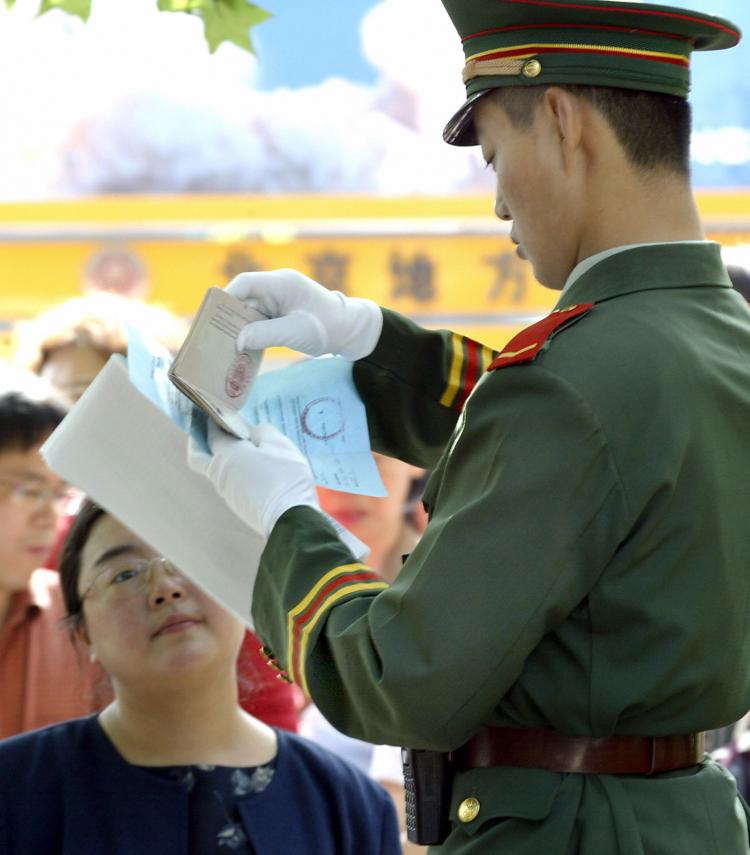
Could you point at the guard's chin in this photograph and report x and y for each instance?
(548, 279)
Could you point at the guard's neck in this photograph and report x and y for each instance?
(632, 208)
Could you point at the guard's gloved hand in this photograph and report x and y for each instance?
(258, 479)
(306, 316)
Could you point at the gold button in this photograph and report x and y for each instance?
(468, 810)
(533, 68)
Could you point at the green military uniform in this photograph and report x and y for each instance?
(585, 567)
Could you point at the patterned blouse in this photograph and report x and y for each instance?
(215, 827)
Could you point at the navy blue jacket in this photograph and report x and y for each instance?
(65, 789)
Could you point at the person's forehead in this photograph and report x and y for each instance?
(485, 111)
(27, 464)
(491, 122)
(105, 534)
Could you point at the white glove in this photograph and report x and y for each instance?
(258, 479)
(306, 316)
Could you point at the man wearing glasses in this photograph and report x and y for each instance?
(43, 677)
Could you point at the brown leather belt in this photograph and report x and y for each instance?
(556, 752)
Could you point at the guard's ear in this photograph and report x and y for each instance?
(565, 110)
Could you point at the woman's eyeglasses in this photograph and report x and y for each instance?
(125, 578)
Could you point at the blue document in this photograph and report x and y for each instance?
(314, 403)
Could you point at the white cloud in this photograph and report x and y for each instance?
(414, 45)
(721, 147)
(133, 101)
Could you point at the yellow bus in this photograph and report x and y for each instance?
(447, 262)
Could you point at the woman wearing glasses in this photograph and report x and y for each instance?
(173, 764)
(68, 345)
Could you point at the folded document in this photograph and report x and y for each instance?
(122, 449)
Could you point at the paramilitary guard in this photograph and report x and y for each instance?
(577, 612)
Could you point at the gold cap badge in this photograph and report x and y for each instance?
(533, 68)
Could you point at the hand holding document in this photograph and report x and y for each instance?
(209, 370)
(125, 444)
(314, 403)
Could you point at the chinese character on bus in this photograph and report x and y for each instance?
(238, 261)
(414, 277)
(510, 277)
(331, 269)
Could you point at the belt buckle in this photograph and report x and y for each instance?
(652, 747)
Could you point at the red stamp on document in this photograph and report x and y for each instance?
(238, 376)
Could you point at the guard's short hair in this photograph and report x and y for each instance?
(29, 410)
(653, 128)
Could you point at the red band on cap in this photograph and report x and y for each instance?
(638, 30)
(634, 11)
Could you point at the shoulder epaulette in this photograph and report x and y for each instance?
(525, 346)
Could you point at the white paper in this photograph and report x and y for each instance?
(131, 458)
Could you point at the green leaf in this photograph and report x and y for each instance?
(82, 8)
(230, 21)
(182, 5)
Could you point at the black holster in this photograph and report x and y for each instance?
(428, 776)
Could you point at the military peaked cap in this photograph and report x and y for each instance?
(620, 43)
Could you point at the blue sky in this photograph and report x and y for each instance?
(305, 43)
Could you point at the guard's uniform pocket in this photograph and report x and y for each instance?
(485, 797)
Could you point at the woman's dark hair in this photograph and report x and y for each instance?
(70, 559)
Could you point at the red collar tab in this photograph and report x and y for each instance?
(526, 345)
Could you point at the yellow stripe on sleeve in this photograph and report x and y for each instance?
(305, 602)
(454, 377)
(487, 355)
(372, 585)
